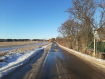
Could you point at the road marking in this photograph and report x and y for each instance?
(45, 59)
(57, 71)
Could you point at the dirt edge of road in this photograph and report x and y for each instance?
(36, 66)
(95, 64)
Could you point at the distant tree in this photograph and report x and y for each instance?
(9, 40)
(2, 40)
(52, 39)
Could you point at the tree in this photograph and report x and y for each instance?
(52, 39)
(84, 11)
(68, 30)
(83, 23)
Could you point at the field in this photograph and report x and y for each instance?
(7, 44)
(21, 50)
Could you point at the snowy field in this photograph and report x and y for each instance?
(96, 62)
(17, 45)
(11, 61)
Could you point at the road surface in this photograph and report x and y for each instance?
(58, 64)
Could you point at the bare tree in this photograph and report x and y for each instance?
(101, 6)
(85, 11)
(68, 30)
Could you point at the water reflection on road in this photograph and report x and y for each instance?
(63, 65)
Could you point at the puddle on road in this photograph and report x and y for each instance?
(54, 50)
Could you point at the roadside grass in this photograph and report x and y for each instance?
(21, 50)
(91, 53)
(88, 52)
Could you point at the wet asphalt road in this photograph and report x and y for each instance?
(59, 64)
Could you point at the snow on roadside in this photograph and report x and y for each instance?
(100, 63)
(14, 60)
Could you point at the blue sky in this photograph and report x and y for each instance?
(20, 19)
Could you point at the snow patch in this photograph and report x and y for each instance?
(14, 60)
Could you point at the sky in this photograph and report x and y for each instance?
(32, 19)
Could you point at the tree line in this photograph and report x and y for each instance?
(11, 40)
(86, 16)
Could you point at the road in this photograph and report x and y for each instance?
(58, 64)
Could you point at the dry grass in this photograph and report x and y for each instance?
(22, 50)
(2, 54)
(88, 52)
(6, 44)
(91, 53)
(98, 55)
